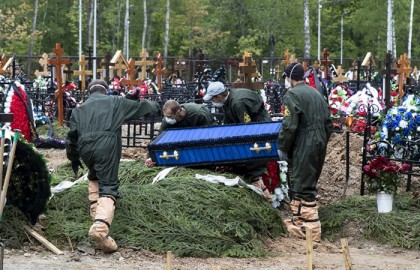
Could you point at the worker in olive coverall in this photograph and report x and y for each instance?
(95, 137)
(185, 115)
(242, 106)
(302, 140)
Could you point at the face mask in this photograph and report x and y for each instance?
(170, 121)
(287, 84)
(217, 104)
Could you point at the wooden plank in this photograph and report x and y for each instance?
(169, 260)
(309, 249)
(43, 241)
(346, 253)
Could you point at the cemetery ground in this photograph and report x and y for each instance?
(285, 252)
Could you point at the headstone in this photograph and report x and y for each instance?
(325, 62)
(403, 71)
(143, 63)
(57, 62)
(83, 72)
(159, 70)
(43, 62)
(130, 81)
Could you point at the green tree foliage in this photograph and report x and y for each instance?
(221, 28)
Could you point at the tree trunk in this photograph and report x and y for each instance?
(389, 27)
(307, 48)
(394, 42)
(143, 39)
(118, 24)
(90, 23)
(166, 41)
(126, 27)
(410, 29)
(31, 47)
(149, 29)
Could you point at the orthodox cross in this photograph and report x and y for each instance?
(106, 64)
(388, 71)
(326, 62)
(43, 62)
(340, 78)
(180, 66)
(158, 70)
(90, 58)
(144, 63)
(83, 72)
(248, 70)
(57, 62)
(403, 71)
(120, 63)
(286, 60)
(130, 72)
(67, 71)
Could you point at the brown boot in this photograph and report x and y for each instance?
(294, 224)
(93, 188)
(311, 219)
(99, 230)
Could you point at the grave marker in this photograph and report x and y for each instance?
(158, 71)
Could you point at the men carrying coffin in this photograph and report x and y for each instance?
(302, 140)
(95, 137)
(185, 115)
(242, 106)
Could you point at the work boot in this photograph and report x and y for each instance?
(93, 188)
(258, 182)
(310, 219)
(294, 225)
(99, 230)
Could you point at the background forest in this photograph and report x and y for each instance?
(220, 28)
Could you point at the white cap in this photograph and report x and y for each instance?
(214, 89)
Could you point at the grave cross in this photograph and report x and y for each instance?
(43, 62)
(278, 72)
(144, 63)
(83, 72)
(388, 71)
(130, 72)
(180, 66)
(90, 58)
(286, 60)
(248, 70)
(158, 71)
(106, 64)
(403, 71)
(325, 62)
(3, 62)
(340, 78)
(67, 71)
(120, 63)
(5, 67)
(57, 62)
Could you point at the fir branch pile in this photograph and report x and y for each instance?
(187, 216)
(399, 228)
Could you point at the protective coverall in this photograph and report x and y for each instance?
(197, 115)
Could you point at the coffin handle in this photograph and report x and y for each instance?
(257, 148)
(166, 156)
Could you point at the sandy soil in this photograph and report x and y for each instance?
(288, 253)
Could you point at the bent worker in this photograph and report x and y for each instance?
(185, 115)
(303, 139)
(242, 106)
(95, 137)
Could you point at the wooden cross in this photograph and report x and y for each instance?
(325, 62)
(4, 64)
(388, 71)
(67, 71)
(83, 72)
(248, 70)
(57, 62)
(43, 62)
(90, 58)
(403, 71)
(106, 64)
(144, 63)
(340, 78)
(286, 60)
(120, 63)
(130, 72)
(158, 70)
(180, 66)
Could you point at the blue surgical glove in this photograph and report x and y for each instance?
(282, 155)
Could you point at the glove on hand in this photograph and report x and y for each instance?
(75, 166)
(282, 155)
(149, 163)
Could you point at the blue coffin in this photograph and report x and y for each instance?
(216, 145)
